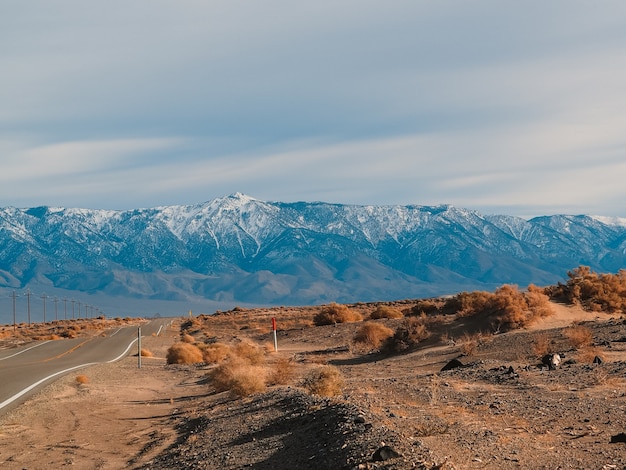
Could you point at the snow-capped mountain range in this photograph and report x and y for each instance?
(241, 250)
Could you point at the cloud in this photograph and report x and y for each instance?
(483, 104)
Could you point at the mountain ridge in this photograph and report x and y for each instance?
(238, 249)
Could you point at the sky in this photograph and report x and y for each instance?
(502, 107)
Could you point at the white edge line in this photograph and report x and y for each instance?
(30, 387)
(24, 350)
(124, 353)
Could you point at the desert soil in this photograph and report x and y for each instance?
(500, 410)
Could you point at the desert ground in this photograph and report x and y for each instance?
(501, 408)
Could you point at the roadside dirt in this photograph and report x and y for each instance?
(499, 410)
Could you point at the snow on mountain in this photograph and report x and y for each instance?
(240, 249)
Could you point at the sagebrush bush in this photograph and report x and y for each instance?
(385, 311)
(592, 291)
(336, 313)
(146, 352)
(252, 353)
(186, 338)
(215, 352)
(282, 371)
(325, 381)
(372, 335)
(82, 379)
(507, 308)
(183, 353)
(238, 376)
(579, 336)
(412, 331)
(542, 345)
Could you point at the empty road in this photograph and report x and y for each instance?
(26, 369)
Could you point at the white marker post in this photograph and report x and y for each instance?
(274, 329)
(139, 348)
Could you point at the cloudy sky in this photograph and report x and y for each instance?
(502, 107)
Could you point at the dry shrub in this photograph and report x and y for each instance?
(469, 343)
(325, 381)
(506, 308)
(249, 352)
(593, 291)
(82, 379)
(238, 376)
(372, 335)
(215, 352)
(588, 353)
(541, 345)
(336, 313)
(385, 311)
(184, 353)
(579, 336)
(185, 338)
(412, 332)
(146, 353)
(283, 371)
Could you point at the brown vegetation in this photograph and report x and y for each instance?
(146, 352)
(325, 381)
(82, 379)
(592, 291)
(372, 335)
(410, 334)
(386, 311)
(184, 353)
(579, 336)
(336, 313)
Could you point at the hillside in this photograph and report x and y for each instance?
(501, 409)
(238, 250)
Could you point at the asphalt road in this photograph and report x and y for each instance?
(25, 370)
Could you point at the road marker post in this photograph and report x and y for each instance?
(274, 330)
(139, 347)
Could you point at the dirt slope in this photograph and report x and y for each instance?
(500, 410)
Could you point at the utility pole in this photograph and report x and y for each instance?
(65, 306)
(78, 309)
(28, 294)
(73, 301)
(44, 297)
(14, 295)
(56, 310)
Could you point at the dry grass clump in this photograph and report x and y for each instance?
(146, 353)
(413, 331)
(589, 353)
(325, 381)
(186, 338)
(541, 345)
(215, 352)
(184, 353)
(238, 376)
(82, 379)
(386, 311)
(252, 353)
(241, 368)
(282, 371)
(579, 336)
(336, 313)
(372, 335)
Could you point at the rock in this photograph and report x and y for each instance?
(385, 453)
(597, 360)
(453, 364)
(553, 361)
(621, 437)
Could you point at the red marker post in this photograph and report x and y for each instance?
(274, 330)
